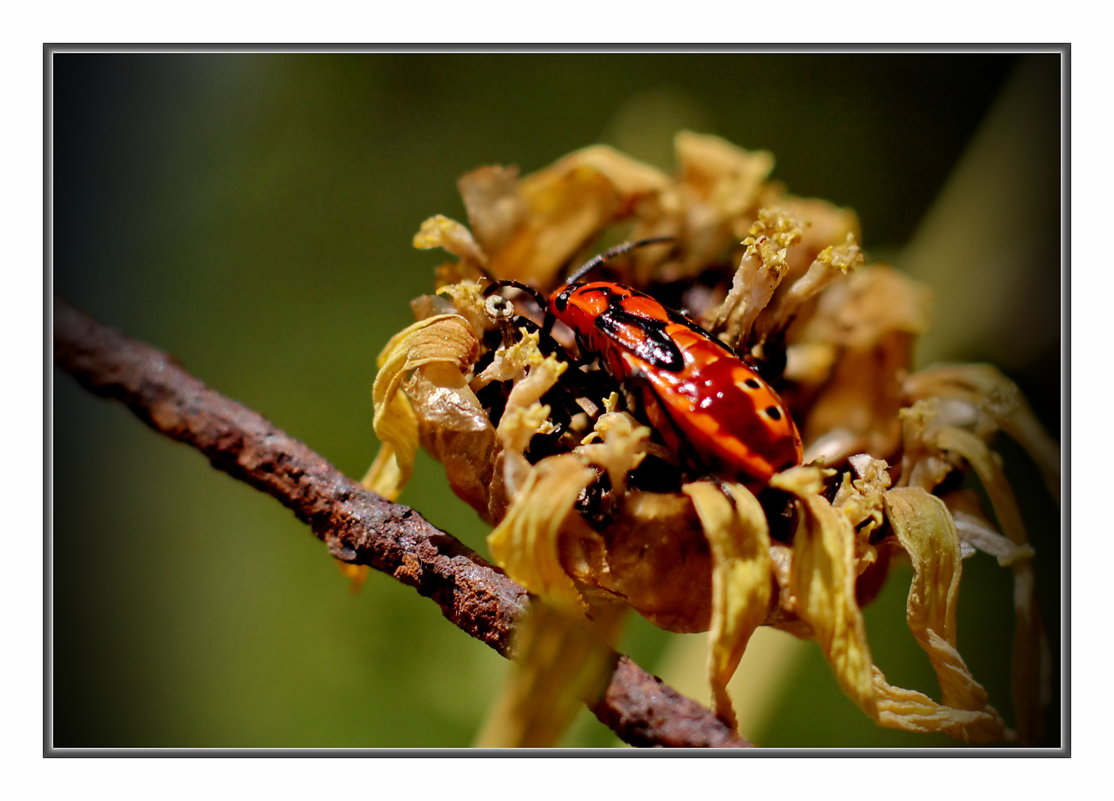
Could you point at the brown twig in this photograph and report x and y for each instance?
(358, 526)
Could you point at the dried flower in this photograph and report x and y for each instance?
(592, 514)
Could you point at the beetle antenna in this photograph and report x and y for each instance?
(618, 250)
(498, 284)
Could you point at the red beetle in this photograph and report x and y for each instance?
(709, 406)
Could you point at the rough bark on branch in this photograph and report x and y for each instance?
(358, 526)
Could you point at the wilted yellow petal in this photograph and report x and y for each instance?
(494, 203)
(925, 530)
(465, 298)
(396, 427)
(873, 316)
(872, 303)
(562, 660)
(988, 467)
(652, 554)
(720, 186)
(922, 463)
(568, 203)
(444, 340)
(822, 578)
(976, 533)
(1030, 646)
(631, 178)
(985, 386)
(910, 710)
(735, 526)
(516, 428)
(525, 543)
(441, 232)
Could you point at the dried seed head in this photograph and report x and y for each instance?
(591, 513)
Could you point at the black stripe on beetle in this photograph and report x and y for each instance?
(655, 347)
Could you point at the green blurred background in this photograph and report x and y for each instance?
(252, 214)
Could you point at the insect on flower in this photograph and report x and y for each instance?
(712, 409)
(688, 503)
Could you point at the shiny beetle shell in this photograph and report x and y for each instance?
(708, 404)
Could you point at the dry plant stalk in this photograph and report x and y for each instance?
(361, 529)
(593, 519)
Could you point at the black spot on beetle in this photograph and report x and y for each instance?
(774, 412)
